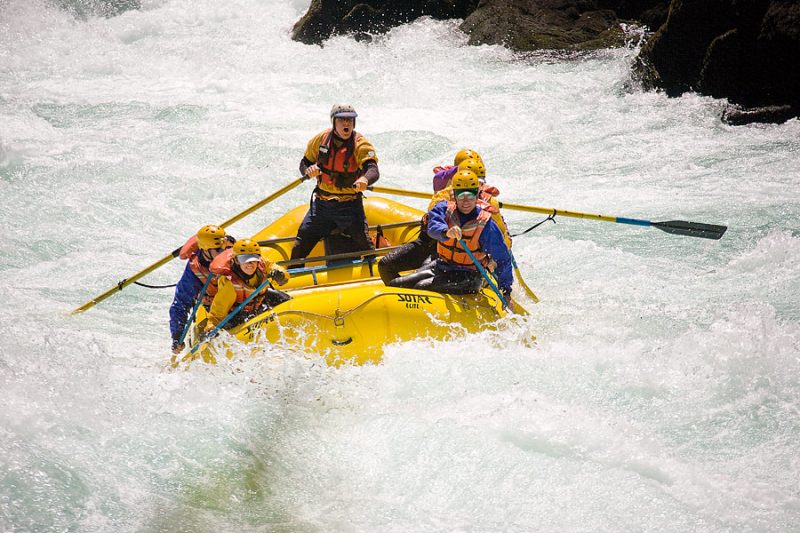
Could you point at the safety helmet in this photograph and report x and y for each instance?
(210, 237)
(466, 179)
(465, 154)
(475, 165)
(246, 250)
(343, 111)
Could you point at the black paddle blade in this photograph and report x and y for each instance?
(692, 229)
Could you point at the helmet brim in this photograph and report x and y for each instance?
(247, 258)
(346, 114)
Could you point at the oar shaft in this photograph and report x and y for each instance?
(158, 264)
(197, 305)
(263, 202)
(676, 227)
(124, 283)
(401, 192)
(280, 240)
(483, 272)
(563, 213)
(516, 207)
(334, 257)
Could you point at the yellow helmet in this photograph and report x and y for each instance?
(246, 250)
(466, 179)
(475, 165)
(210, 237)
(465, 154)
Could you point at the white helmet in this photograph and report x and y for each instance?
(343, 111)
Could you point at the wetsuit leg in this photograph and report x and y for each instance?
(452, 281)
(317, 224)
(413, 280)
(410, 256)
(351, 220)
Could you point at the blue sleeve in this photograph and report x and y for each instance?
(185, 294)
(492, 242)
(437, 221)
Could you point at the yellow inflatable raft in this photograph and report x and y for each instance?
(344, 311)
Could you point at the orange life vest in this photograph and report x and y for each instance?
(339, 166)
(189, 247)
(451, 251)
(222, 265)
(191, 251)
(489, 190)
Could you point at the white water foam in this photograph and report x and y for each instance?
(661, 392)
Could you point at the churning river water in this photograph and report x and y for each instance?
(661, 394)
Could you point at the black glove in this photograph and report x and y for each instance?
(506, 292)
(177, 346)
(279, 275)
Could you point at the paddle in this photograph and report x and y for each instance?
(196, 306)
(676, 227)
(484, 274)
(521, 281)
(161, 262)
(334, 257)
(281, 240)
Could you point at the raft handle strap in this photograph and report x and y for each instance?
(150, 286)
(549, 217)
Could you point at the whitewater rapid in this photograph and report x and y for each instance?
(662, 390)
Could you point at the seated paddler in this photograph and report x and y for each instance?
(417, 253)
(461, 218)
(241, 271)
(198, 251)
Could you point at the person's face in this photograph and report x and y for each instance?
(465, 201)
(343, 127)
(249, 268)
(211, 253)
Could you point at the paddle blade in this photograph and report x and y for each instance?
(692, 229)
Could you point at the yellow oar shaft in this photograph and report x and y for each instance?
(556, 212)
(124, 283)
(675, 227)
(504, 205)
(402, 192)
(263, 202)
(163, 261)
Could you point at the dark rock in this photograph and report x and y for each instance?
(747, 51)
(526, 25)
(652, 13)
(325, 18)
(737, 116)
(519, 24)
